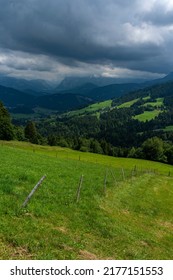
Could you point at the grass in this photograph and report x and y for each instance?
(93, 108)
(158, 103)
(128, 104)
(68, 154)
(131, 220)
(168, 128)
(146, 97)
(147, 115)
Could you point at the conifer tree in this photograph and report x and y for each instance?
(6, 128)
(31, 132)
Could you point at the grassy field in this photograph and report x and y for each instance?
(158, 103)
(168, 128)
(93, 108)
(127, 104)
(129, 217)
(146, 97)
(147, 115)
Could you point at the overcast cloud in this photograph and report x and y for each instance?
(51, 39)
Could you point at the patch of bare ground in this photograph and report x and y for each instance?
(125, 212)
(10, 252)
(144, 243)
(29, 215)
(67, 248)
(167, 225)
(85, 255)
(21, 253)
(61, 229)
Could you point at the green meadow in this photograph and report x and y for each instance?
(147, 115)
(124, 211)
(158, 103)
(168, 128)
(128, 104)
(93, 108)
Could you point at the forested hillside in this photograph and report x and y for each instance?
(127, 126)
(123, 129)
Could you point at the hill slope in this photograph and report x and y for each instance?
(12, 97)
(60, 102)
(130, 218)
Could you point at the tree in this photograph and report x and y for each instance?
(52, 140)
(19, 133)
(95, 147)
(168, 152)
(131, 153)
(6, 128)
(153, 149)
(31, 132)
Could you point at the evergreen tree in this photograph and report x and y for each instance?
(6, 128)
(153, 149)
(31, 132)
(95, 147)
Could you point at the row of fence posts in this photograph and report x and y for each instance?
(134, 172)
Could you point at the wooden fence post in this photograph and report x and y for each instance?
(105, 181)
(79, 188)
(115, 181)
(33, 191)
(132, 173)
(123, 173)
(135, 170)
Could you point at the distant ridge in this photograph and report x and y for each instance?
(74, 98)
(30, 86)
(12, 97)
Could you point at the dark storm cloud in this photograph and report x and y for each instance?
(75, 29)
(94, 32)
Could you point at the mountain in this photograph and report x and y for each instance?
(70, 83)
(77, 97)
(103, 93)
(159, 90)
(167, 78)
(83, 89)
(12, 97)
(111, 90)
(62, 102)
(35, 87)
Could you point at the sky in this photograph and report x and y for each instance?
(53, 39)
